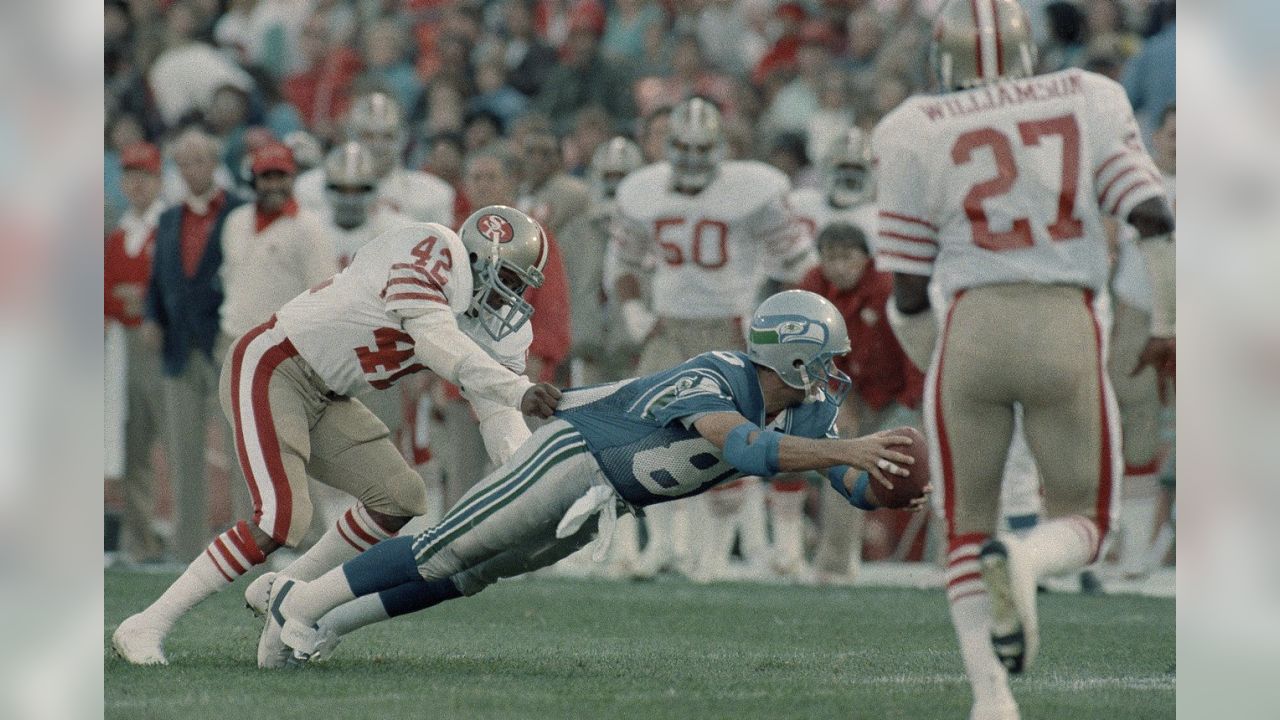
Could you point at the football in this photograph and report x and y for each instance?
(905, 487)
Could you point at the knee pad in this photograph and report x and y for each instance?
(407, 495)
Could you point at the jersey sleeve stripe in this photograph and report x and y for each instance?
(1097, 175)
(907, 219)
(886, 262)
(434, 297)
(1106, 190)
(908, 238)
(1153, 191)
(413, 281)
(905, 256)
(410, 266)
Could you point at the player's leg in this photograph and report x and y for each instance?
(270, 413)
(519, 505)
(421, 594)
(1071, 428)
(1139, 402)
(970, 423)
(352, 451)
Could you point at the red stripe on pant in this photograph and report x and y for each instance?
(267, 442)
(944, 445)
(1105, 464)
(237, 363)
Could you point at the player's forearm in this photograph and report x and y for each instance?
(797, 454)
(502, 427)
(454, 356)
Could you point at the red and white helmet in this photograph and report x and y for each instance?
(508, 251)
(976, 42)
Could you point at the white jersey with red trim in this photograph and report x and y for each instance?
(350, 329)
(1008, 182)
(813, 212)
(711, 248)
(421, 196)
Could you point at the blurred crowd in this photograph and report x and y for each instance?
(209, 102)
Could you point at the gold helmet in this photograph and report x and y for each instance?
(976, 42)
(611, 162)
(377, 120)
(508, 251)
(846, 170)
(350, 184)
(695, 144)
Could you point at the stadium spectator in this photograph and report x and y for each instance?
(183, 301)
(186, 74)
(689, 76)
(781, 56)
(796, 102)
(127, 272)
(227, 119)
(1149, 78)
(444, 160)
(546, 193)
(529, 60)
(481, 129)
(322, 90)
(653, 134)
(727, 32)
(495, 95)
(887, 387)
(591, 129)
(387, 65)
(1068, 34)
(585, 78)
(627, 25)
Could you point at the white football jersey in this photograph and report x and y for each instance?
(347, 242)
(1008, 182)
(711, 249)
(813, 212)
(350, 330)
(421, 196)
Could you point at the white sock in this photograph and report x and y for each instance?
(971, 616)
(229, 556)
(1137, 525)
(1061, 545)
(351, 616)
(354, 532)
(786, 508)
(308, 603)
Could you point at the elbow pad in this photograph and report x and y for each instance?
(915, 333)
(753, 458)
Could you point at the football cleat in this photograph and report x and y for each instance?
(1015, 630)
(258, 593)
(272, 652)
(326, 643)
(139, 642)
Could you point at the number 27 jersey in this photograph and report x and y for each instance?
(349, 329)
(1008, 182)
(641, 430)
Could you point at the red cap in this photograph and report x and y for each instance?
(588, 15)
(792, 11)
(140, 156)
(273, 156)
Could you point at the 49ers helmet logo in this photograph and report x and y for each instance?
(496, 227)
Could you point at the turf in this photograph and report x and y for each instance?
(558, 648)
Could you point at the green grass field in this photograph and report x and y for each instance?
(557, 648)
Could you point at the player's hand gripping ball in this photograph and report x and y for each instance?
(905, 487)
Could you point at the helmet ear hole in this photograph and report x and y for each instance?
(473, 258)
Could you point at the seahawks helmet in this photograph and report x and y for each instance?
(846, 170)
(976, 42)
(350, 184)
(798, 334)
(377, 120)
(610, 163)
(508, 251)
(695, 144)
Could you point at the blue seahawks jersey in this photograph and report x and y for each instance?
(641, 430)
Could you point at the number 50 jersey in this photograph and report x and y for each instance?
(1007, 183)
(350, 328)
(641, 430)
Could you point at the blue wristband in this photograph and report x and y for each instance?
(753, 458)
(858, 498)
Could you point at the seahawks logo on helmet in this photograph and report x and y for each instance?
(782, 330)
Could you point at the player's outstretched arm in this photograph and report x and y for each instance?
(768, 452)
(449, 353)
